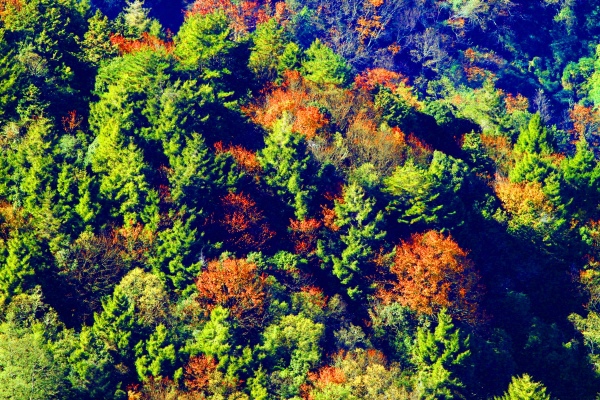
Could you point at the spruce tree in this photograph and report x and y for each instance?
(442, 361)
(349, 251)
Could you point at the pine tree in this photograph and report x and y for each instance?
(442, 360)
(531, 152)
(269, 45)
(289, 168)
(323, 66)
(96, 44)
(524, 388)
(359, 234)
(156, 356)
(115, 326)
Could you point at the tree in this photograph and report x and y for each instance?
(524, 388)
(323, 66)
(357, 235)
(289, 350)
(174, 259)
(289, 168)
(581, 174)
(219, 340)
(156, 356)
(432, 197)
(236, 285)
(245, 225)
(269, 44)
(116, 328)
(47, 34)
(197, 175)
(431, 272)
(149, 297)
(532, 151)
(442, 360)
(96, 45)
(28, 369)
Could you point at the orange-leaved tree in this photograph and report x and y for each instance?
(431, 272)
(244, 223)
(234, 284)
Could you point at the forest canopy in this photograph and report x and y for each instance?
(299, 199)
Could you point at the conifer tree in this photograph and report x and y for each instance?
(116, 327)
(289, 168)
(323, 66)
(442, 360)
(532, 150)
(97, 46)
(350, 250)
(524, 388)
(156, 356)
(268, 47)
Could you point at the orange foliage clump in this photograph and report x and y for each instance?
(147, 42)
(326, 376)
(432, 272)
(198, 372)
(244, 223)
(243, 16)
(420, 151)
(8, 7)
(244, 158)
(236, 285)
(516, 103)
(294, 97)
(586, 123)
(71, 121)
(475, 73)
(371, 78)
(304, 235)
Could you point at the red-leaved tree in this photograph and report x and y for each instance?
(431, 272)
(236, 285)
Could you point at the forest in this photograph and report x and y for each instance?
(300, 199)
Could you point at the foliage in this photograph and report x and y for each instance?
(299, 199)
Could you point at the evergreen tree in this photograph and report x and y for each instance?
(97, 46)
(323, 66)
(269, 44)
(442, 360)
(174, 259)
(532, 150)
(524, 388)
(156, 356)
(116, 328)
(289, 168)
(359, 234)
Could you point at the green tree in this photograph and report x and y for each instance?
(28, 368)
(156, 356)
(174, 257)
(269, 44)
(524, 388)
(289, 168)
(47, 34)
(442, 360)
(429, 197)
(289, 350)
(350, 251)
(581, 174)
(531, 152)
(116, 328)
(323, 66)
(97, 46)
(218, 339)
(22, 260)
